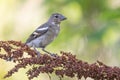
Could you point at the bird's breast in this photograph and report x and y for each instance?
(53, 32)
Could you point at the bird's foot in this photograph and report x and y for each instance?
(53, 55)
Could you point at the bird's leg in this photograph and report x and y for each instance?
(46, 51)
(37, 52)
(49, 52)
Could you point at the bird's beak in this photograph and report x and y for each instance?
(63, 18)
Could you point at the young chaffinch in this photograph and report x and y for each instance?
(45, 33)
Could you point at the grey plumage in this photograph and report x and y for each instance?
(46, 33)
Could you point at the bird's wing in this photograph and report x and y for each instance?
(38, 32)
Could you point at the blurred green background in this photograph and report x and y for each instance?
(91, 31)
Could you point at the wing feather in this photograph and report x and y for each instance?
(38, 32)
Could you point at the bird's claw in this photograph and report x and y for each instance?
(53, 55)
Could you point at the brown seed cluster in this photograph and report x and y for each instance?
(62, 65)
(15, 50)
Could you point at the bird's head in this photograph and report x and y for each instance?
(56, 18)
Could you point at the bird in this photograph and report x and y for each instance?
(45, 33)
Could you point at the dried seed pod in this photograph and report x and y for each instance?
(62, 65)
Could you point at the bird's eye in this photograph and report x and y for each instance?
(56, 16)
